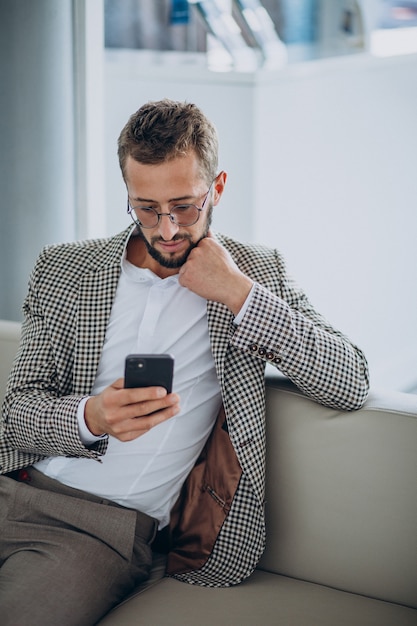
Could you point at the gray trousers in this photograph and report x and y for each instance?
(66, 557)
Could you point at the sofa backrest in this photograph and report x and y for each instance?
(9, 343)
(341, 493)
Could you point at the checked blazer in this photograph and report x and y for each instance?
(66, 311)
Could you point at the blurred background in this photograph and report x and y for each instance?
(315, 102)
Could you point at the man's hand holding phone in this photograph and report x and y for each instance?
(129, 412)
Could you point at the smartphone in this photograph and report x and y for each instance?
(149, 370)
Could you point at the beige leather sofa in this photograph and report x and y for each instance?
(341, 521)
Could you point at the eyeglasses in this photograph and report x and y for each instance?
(180, 214)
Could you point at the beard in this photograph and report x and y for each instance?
(174, 262)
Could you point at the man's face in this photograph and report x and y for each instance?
(162, 187)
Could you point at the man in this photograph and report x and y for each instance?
(92, 469)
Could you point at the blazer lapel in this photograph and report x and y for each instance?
(96, 294)
(219, 324)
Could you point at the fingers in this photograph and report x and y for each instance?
(129, 413)
(142, 421)
(135, 409)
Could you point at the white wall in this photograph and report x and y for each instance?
(37, 139)
(336, 149)
(321, 160)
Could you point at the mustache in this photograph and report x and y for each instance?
(176, 237)
(179, 237)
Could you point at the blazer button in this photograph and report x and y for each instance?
(277, 359)
(262, 351)
(245, 443)
(254, 347)
(270, 356)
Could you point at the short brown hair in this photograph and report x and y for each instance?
(163, 130)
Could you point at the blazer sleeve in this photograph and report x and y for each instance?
(39, 410)
(281, 327)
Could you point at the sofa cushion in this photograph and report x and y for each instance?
(265, 599)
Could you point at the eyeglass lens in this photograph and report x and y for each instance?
(182, 215)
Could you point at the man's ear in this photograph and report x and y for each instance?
(219, 185)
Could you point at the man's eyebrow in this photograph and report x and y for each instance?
(180, 199)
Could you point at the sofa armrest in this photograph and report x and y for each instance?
(9, 344)
(341, 492)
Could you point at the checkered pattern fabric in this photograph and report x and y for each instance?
(67, 308)
(239, 545)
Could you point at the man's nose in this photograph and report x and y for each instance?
(166, 227)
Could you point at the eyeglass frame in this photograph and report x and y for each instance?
(169, 214)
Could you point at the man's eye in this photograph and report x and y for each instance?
(145, 209)
(181, 208)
